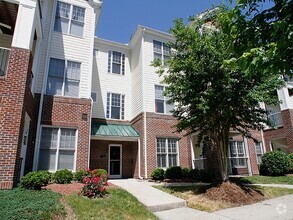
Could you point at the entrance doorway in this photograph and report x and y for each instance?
(115, 161)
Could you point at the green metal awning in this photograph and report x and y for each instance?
(113, 131)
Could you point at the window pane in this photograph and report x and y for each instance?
(159, 106)
(56, 68)
(78, 14)
(116, 57)
(115, 100)
(159, 92)
(108, 105)
(76, 28)
(61, 25)
(94, 96)
(116, 68)
(233, 149)
(63, 10)
(47, 159)
(166, 50)
(49, 138)
(172, 160)
(115, 112)
(54, 86)
(66, 159)
(172, 145)
(157, 46)
(67, 139)
(161, 160)
(240, 149)
(73, 70)
(169, 107)
(71, 88)
(161, 145)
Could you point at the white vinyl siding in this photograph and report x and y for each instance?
(167, 152)
(161, 102)
(237, 154)
(57, 149)
(115, 106)
(258, 152)
(63, 78)
(116, 62)
(69, 19)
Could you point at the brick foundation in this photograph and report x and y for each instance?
(15, 101)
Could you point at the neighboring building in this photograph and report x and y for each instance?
(70, 100)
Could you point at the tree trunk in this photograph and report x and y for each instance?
(222, 143)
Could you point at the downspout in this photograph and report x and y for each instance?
(144, 109)
(38, 139)
(90, 129)
(139, 173)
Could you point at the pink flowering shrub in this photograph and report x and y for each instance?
(94, 184)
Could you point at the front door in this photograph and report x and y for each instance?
(115, 163)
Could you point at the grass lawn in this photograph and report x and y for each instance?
(265, 179)
(194, 195)
(29, 204)
(118, 205)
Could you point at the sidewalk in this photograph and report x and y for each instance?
(166, 206)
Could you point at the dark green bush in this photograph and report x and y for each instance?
(205, 176)
(274, 163)
(174, 173)
(290, 156)
(158, 174)
(194, 174)
(79, 175)
(63, 176)
(185, 172)
(35, 180)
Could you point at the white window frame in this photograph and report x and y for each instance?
(238, 158)
(111, 62)
(109, 106)
(258, 154)
(64, 77)
(58, 147)
(166, 153)
(70, 19)
(162, 52)
(165, 99)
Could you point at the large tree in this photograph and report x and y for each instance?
(261, 35)
(211, 99)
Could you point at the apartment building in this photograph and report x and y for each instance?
(71, 100)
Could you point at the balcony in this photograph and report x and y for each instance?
(276, 119)
(4, 57)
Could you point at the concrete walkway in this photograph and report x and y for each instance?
(166, 206)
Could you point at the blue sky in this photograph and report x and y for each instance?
(119, 19)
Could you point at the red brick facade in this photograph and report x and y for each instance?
(286, 131)
(74, 113)
(15, 100)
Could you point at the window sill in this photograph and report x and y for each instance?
(116, 74)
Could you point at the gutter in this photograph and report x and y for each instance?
(38, 139)
(139, 172)
(90, 131)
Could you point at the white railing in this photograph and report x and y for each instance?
(276, 119)
(199, 163)
(4, 57)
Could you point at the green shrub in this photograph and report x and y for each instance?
(174, 173)
(290, 156)
(35, 180)
(194, 174)
(158, 174)
(80, 175)
(63, 176)
(185, 172)
(274, 163)
(99, 173)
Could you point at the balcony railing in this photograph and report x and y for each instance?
(4, 57)
(199, 163)
(276, 119)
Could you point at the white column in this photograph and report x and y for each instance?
(248, 158)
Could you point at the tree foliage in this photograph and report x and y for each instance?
(211, 99)
(261, 36)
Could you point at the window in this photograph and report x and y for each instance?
(161, 102)
(237, 153)
(69, 19)
(167, 152)
(290, 91)
(116, 62)
(115, 106)
(161, 51)
(57, 149)
(94, 96)
(258, 151)
(63, 78)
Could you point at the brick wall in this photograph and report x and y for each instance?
(162, 126)
(67, 112)
(99, 156)
(286, 131)
(13, 94)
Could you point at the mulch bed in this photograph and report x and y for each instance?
(74, 187)
(233, 193)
